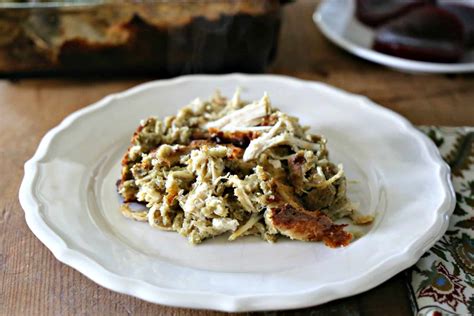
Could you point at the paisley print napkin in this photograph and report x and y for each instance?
(442, 282)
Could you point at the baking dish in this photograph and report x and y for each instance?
(159, 37)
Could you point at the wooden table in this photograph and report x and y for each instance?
(33, 282)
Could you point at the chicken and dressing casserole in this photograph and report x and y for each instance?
(227, 166)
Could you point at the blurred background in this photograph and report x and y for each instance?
(128, 42)
(157, 37)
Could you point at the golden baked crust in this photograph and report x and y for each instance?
(300, 224)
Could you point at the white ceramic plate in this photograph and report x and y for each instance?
(337, 21)
(68, 194)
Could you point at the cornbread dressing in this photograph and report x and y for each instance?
(226, 166)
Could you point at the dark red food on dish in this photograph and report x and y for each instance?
(377, 12)
(465, 13)
(427, 34)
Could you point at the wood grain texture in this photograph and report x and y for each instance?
(33, 282)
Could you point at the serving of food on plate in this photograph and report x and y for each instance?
(225, 168)
(225, 165)
(409, 35)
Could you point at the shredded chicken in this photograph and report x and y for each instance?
(227, 167)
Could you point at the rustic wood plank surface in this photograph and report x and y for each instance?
(33, 282)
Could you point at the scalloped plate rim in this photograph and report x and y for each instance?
(209, 300)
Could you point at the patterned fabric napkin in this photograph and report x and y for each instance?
(442, 282)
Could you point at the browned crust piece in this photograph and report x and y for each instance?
(308, 226)
(289, 218)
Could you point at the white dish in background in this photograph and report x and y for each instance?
(68, 194)
(336, 20)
